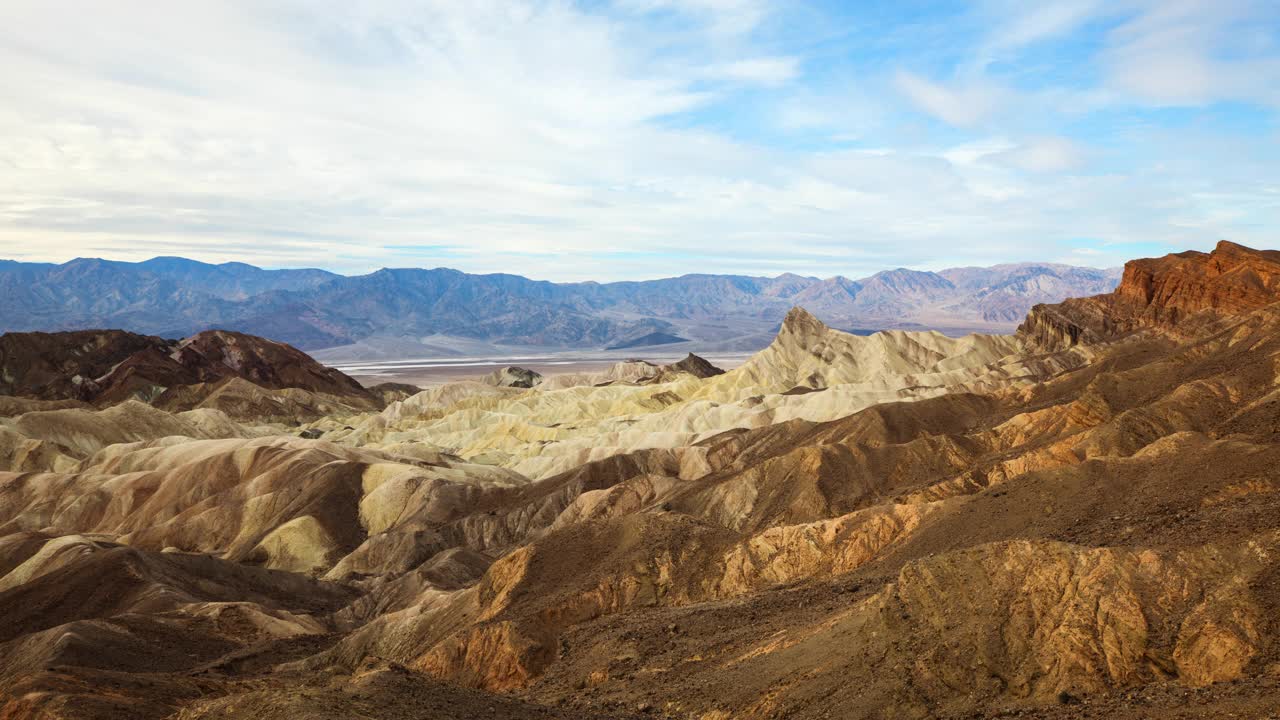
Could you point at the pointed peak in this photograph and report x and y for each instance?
(801, 321)
(1235, 252)
(1225, 247)
(696, 366)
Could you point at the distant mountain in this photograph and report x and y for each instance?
(161, 295)
(231, 281)
(649, 340)
(1004, 293)
(313, 309)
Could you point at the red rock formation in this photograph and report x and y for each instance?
(1232, 279)
(1180, 295)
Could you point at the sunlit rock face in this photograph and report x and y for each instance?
(1181, 295)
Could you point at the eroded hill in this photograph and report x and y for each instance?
(1064, 523)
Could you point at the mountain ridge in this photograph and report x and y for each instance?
(315, 309)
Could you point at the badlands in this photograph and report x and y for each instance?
(1078, 520)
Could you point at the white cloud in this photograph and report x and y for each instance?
(1195, 52)
(1044, 155)
(763, 71)
(962, 105)
(977, 151)
(1019, 24)
(725, 17)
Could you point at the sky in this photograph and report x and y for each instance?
(631, 139)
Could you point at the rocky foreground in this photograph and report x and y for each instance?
(1080, 520)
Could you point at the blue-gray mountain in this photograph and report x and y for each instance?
(315, 309)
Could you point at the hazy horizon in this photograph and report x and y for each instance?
(709, 272)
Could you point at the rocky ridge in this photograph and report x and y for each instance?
(1179, 295)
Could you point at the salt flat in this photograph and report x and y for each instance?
(430, 372)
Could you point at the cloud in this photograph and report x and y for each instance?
(724, 17)
(1044, 155)
(1196, 52)
(558, 139)
(1019, 24)
(962, 105)
(762, 71)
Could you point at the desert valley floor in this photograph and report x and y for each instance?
(432, 372)
(1081, 519)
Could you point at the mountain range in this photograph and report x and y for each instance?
(443, 311)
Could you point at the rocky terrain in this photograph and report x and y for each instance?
(1182, 296)
(67, 395)
(1078, 520)
(417, 312)
(104, 367)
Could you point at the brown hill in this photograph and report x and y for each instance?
(696, 366)
(216, 354)
(109, 366)
(58, 366)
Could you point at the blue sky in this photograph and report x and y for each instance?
(625, 139)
